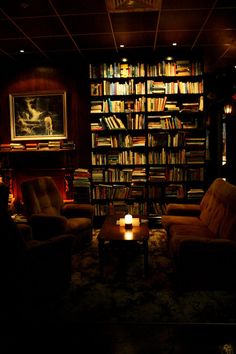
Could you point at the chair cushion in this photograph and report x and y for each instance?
(76, 225)
(168, 220)
(180, 233)
(183, 209)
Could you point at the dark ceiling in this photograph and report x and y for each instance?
(52, 29)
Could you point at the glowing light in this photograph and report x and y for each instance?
(128, 221)
(128, 235)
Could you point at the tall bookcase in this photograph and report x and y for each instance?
(148, 135)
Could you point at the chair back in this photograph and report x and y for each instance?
(4, 195)
(41, 196)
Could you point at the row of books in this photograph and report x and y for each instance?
(174, 87)
(54, 145)
(116, 70)
(139, 88)
(154, 104)
(115, 141)
(165, 174)
(119, 158)
(119, 175)
(165, 122)
(161, 68)
(118, 192)
(155, 174)
(117, 88)
(118, 106)
(175, 68)
(138, 192)
(161, 140)
(120, 207)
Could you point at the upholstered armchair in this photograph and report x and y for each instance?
(49, 216)
(31, 268)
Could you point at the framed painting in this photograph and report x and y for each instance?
(38, 115)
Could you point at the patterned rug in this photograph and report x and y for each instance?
(124, 295)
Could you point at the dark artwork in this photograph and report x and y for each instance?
(39, 116)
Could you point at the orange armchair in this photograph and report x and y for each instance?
(49, 216)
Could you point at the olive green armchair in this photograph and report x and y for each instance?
(49, 216)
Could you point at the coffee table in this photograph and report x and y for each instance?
(112, 232)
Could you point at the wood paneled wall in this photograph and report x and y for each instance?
(70, 78)
(73, 79)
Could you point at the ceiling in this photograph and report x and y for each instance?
(54, 29)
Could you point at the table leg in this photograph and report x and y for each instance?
(101, 251)
(145, 255)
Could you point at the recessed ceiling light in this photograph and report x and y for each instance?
(124, 60)
(169, 58)
(122, 45)
(24, 4)
(174, 43)
(22, 50)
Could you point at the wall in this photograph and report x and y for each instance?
(69, 78)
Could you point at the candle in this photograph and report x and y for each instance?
(128, 221)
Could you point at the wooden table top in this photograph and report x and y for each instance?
(110, 231)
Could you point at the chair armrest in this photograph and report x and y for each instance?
(47, 226)
(201, 245)
(49, 265)
(73, 210)
(25, 231)
(207, 263)
(183, 209)
(36, 247)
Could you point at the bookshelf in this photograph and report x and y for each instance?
(148, 134)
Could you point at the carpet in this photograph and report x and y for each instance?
(125, 312)
(124, 295)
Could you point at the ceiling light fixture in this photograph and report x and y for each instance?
(133, 5)
(174, 43)
(122, 45)
(22, 51)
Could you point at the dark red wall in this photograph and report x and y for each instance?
(71, 78)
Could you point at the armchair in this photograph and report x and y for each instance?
(49, 216)
(202, 238)
(31, 269)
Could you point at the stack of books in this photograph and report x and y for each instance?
(81, 186)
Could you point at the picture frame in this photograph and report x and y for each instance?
(38, 115)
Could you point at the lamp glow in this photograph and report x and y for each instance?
(128, 235)
(228, 108)
(128, 221)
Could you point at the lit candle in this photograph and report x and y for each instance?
(128, 221)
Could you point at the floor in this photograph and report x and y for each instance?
(127, 339)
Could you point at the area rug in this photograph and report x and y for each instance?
(124, 295)
(125, 312)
